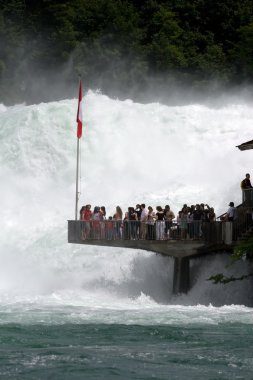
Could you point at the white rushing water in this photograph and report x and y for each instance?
(130, 153)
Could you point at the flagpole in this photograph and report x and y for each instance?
(77, 174)
(79, 119)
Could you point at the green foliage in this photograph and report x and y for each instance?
(243, 250)
(121, 43)
(242, 53)
(221, 279)
(165, 49)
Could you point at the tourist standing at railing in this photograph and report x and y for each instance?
(159, 223)
(82, 224)
(191, 221)
(96, 219)
(86, 225)
(143, 220)
(151, 218)
(168, 217)
(197, 217)
(137, 211)
(118, 216)
(184, 223)
(102, 224)
(126, 229)
(103, 212)
(179, 224)
(204, 219)
(81, 212)
(246, 186)
(132, 217)
(229, 230)
(205, 212)
(211, 215)
(231, 214)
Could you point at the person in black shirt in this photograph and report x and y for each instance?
(246, 184)
(246, 190)
(138, 218)
(197, 217)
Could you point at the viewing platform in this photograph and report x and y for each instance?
(201, 238)
(218, 237)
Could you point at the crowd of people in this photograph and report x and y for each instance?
(159, 223)
(141, 222)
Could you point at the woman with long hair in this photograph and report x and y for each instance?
(159, 223)
(118, 216)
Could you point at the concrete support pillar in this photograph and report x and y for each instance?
(181, 279)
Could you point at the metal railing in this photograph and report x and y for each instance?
(218, 232)
(137, 230)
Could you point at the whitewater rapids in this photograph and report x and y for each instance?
(130, 153)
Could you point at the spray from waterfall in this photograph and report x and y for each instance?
(131, 153)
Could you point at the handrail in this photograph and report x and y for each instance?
(222, 215)
(216, 232)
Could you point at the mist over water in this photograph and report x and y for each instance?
(130, 153)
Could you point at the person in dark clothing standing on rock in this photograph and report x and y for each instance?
(246, 184)
(246, 192)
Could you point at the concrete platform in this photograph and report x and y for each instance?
(173, 248)
(182, 251)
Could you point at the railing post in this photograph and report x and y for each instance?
(227, 232)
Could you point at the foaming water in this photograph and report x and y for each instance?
(130, 153)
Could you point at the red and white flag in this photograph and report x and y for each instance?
(79, 117)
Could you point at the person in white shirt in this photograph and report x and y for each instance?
(231, 213)
(143, 220)
(151, 218)
(168, 217)
(159, 223)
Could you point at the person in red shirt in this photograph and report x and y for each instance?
(86, 217)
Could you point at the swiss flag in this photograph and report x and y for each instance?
(79, 117)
